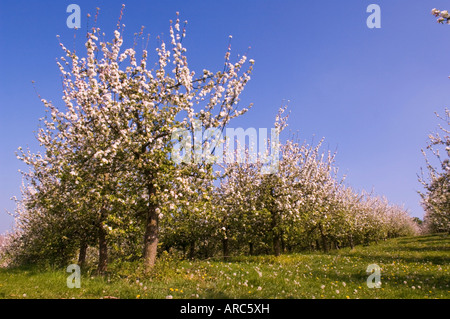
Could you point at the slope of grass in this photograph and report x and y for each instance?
(414, 267)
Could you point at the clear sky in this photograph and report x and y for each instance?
(371, 93)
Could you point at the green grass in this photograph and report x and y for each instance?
(413, 267)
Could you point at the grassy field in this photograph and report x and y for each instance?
(415, 267)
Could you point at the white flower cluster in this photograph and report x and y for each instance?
(443, 16)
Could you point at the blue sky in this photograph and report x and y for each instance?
(371, 93)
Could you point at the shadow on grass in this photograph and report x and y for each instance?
(438, 238)
(385, 258)
(437, 280)
(424, 249)
(212, 293)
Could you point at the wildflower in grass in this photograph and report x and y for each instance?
(322, 287)
(337, 291)
(170, 297)
(138, 296)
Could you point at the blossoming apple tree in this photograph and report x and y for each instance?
(113, 135)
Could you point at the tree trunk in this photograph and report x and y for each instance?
(102, 242)
(352, 245)
(225, 250)
(102, 250)
(250, 248)
(336, 245)
(276, 245)
(289, 248)
(151, 235)
(324, 239)
(276, 235)
(151, 238)
(283, 244)
(184, 251)
(82, 254)
(192, 250)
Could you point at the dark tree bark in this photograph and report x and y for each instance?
(82, 254)
(102, 241)
(352, 245)
(283, 244)
(151, 236)
(276, 246)
(324, 239)
(192, 249)
(317, 245)
(276, 235)
(225, 249)
(102, 245)
(151, 239)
